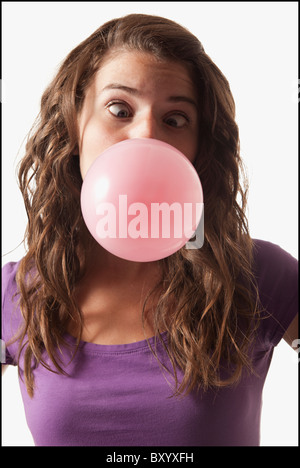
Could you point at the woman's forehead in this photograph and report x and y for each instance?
(139, 71)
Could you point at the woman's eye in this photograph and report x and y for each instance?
(176, 120)
(119, 110)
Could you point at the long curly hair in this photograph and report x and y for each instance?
(207, 299)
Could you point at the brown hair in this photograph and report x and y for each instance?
(205, 294)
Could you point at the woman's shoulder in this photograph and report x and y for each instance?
(275, 268)
(9, 271)
(276, 273)
(268, 253)
(9, 283)
(11, 315)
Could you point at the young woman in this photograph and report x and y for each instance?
(112, 352)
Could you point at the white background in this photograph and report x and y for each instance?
(255, 45)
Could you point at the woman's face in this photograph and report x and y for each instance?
(134, 95)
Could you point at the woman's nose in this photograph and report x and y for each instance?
(146, 127)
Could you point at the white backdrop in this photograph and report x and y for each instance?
(255, 45)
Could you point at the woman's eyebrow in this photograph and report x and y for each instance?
(183, 99)
(136, 92)
(121, 87)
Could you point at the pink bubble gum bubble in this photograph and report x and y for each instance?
(142, 199)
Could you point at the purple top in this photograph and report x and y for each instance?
(118, 395)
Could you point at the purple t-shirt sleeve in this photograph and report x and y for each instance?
(11, 316)
(277, 276)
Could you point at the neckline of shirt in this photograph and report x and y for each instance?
(117, 348)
